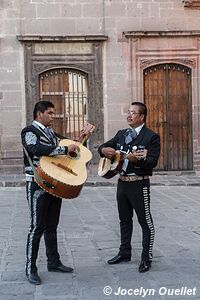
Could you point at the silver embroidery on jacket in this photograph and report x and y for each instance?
(30, 138)
(57, 151)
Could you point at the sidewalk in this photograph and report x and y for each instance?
(89, 235)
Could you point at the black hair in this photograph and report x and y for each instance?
(142, 108)
(41, 106)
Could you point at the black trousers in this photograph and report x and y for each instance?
(135, 195)
(44, 218)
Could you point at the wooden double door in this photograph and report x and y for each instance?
(167, 94)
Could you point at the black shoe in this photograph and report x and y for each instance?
(60, 268)
(144, 266)
(118, 258)
(33, 278)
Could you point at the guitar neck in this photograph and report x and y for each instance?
(88, 129)
(121, 155)
(83, 139)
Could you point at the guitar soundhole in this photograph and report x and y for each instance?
(112, 160)
(73, 154)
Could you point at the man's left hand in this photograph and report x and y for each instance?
(141, 154)
(137, 155)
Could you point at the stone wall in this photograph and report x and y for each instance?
(78, 18)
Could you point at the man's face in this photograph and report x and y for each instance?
(134, 118)
(46, 118)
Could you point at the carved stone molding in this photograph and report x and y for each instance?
(144, 63)
(186, 61)
(156, 33)
(40, 68)
(192, 3)
(68, 38)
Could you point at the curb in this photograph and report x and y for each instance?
(21, 183)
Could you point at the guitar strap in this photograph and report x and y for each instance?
(36, 175)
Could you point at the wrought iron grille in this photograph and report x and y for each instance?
(68, 91)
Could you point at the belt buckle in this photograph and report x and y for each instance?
(132, 178)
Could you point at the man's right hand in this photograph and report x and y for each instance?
(73, 148)
(108, 152)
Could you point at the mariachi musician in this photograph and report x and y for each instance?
(142, 146)
(38, 139)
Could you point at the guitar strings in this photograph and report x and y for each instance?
(67, 160)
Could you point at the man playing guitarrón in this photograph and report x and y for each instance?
(39, 140)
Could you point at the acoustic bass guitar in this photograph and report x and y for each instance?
(64, 175)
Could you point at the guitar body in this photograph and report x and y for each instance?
(64, 176)
(109, 168)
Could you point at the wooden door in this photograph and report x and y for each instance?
(67, 90)
(167, 94)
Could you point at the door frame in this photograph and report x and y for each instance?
(83, 54)
(157, 47)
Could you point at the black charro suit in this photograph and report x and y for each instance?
(136, 194)
(44, 207)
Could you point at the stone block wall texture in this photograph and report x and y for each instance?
(78, 17)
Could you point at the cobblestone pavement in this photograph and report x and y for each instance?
(89, 235)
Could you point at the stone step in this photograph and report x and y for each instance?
(11, 169)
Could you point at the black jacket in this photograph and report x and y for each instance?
(38, 144)
(147, 138)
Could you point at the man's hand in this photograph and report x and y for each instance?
(137, 155)
(87, 131)
(73, 148)
(108, 152)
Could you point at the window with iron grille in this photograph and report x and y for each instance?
(68, 91)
